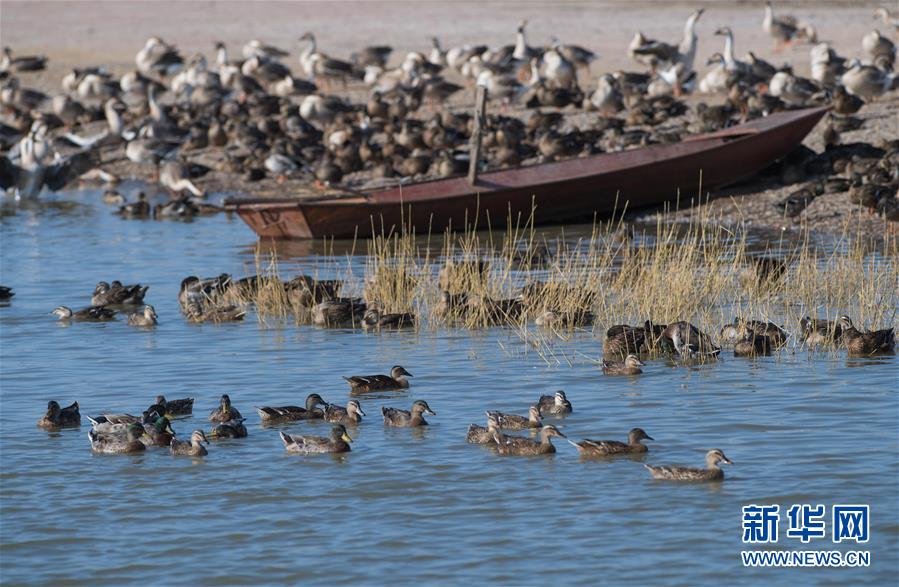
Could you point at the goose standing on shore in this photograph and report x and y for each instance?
(25, 63)
(866, 81)
(159, 58)
(880, 50)
(782, 30)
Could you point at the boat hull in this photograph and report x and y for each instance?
(552, 192)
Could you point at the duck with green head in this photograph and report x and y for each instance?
(407, 419)
(338, 441)
(159, 432)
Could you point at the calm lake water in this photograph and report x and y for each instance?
(405, 506)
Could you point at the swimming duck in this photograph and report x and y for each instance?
(6, 293)
(231, 429)
(338, 441)
(129, 443)
(407, 419)
(623, 340)
(196, 313)
(350, 415)
(137, 209)
(146, 318)
(375, 320)
(689, 340)
(292, 413)
(607, 448)
(820, 332)
(521, 446)
(554, 405)
(396, 380)
(91, 314)
(175, 407)
(483, 435)
(870, 342)
(712, 472)
(338, 312)
(630, 366)
(752, 345)
(116, 294)
(225, 411)
(192, 448)
(57, 417)
(158, 433)
(515, 422)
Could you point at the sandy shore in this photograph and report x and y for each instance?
(76, 34)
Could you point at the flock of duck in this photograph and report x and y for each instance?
(128, 434)
(261, 118)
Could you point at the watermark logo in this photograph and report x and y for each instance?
(806, 522)
(760, 523)
(850, 522)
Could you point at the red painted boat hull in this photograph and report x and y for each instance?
(554, 192)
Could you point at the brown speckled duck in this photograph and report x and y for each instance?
(521, 446)
(483, 435)
(607, 448)
(396, 380)
(515, 422)
(554, 405)
(630, 366)
(712, 472)
(348, 416)
(175, 407)
(191, 448)
(752, 345)
(870, 342)
(338, 441)
(225, 411)
(271, 415)
(407, 419)
(57, 417)
(820, 332)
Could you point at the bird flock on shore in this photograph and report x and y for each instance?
(272, 115)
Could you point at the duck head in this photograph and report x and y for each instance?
(63, 312)
(339, 433)
(353, 407)
(550, 431)
(53, 409)
(633, 361)
(421, 406)
(636, 435)
(716, 456)
(313, 399)
(398, 373)
(198, 437)
(534, 414)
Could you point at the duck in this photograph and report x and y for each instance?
(57, 417)
(338, 442)
(712, 472)
(158, 433)
(158, 57)
(375, 320)
(225, 411)
(146, 318)
(196, 313)
(607, 448)
(407, 419)
(844, 103)
(129, 443)
(91, 314)
(6, 293)
(396, 380)
(269, 415)
(866, 343)
(752, 345)
(521, 446)
(351, 415)
(689, 341)
(791, 89)
(623, 340)
(22, 63)
(483, 435)
(888, 19)
(33, 171)
(630, 366)
(782, 30)
(191, 448)
(866, 81)
(338, 312)
(175, 407)
(554, 405)
(117, 294)
(817, 332)
(175, 176)
(515, 422)
(137, 209)
(231, 429)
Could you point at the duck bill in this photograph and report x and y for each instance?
(430, 411)
(346, 438)
(727, 462)
(361, 413)
(648, 437)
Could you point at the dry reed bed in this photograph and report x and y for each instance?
(698, 271)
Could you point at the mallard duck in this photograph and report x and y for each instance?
(817, 332)
(225, 411)
(870, 342)
(866, 81)
(91, 314)
(158, 433)
(483, 435)
(57, 417)
(515, 422)
(231, 429)
(129, 443)
(782, 30)
(752, 345)
(116, 294)
(375, 320)
(339, 313)
(350, 415)
(396, 380)
(338, 441)
(607, 448)
(689, 341)
(291, 413)
(521, 446)
(554, 405)
(175, 407)
(407, 419)
(192, 448)
(630, 366)
(712, 472)
(145, 318)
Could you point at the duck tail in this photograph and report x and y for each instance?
(285, 438)
(574, 444)
(92, 421)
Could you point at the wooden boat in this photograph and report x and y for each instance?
(554, 192)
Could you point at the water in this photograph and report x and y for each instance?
(406, 506)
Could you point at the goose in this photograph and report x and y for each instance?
(575, 54)
(318, 64)
(21, 64)
(866, 81)
(717, 79)
(557, 70)
(731, 64)
(827, 66)
(791, 89)
(157, 57)
(888, 20)
(13, 94)
(256, 48)
(499, 86)
(27, 178)
(522, 51)
(373, 55)
(782, 30)
(290, 86)
(436, 55)
(457, 57)
(174, 176)
(264, 70)
(880, 50)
